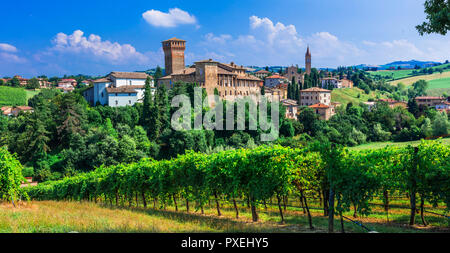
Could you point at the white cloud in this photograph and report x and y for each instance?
(7, 48)
(173, 18)
(275, 43)
(93, 46)
(221, 39)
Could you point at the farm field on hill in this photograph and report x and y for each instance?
(346, 95)
(410, 80)
(12, 96)
(64, 217)
(404, 73)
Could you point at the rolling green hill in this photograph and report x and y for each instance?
(354, 95)
(404, 73)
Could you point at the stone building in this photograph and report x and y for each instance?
(430, 101)
(293, 72)
(315, 95)
(324, 111)
(274, 80)
(261, 73)
(174, 55)
(230, 80)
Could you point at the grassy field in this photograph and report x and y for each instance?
(433, 77)
(354, 95)
(377, 145)
(63, 217)
(12, 96)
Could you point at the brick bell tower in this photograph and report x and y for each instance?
(308, 62)
(174, 55)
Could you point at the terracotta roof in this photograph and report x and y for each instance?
(125, 89)
(276, 77)
(319, 106)
(102, 80)
(129, 75)
(24, 108)
(254, 78)
(262, 71)
(68, 80)
(174, 39)
(420, 98)
(315, 89)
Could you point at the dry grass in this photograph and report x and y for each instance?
(62, 217)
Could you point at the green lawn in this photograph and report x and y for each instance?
(439, 83)
(346, 95)
(377, 145)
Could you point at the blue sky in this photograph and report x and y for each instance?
(96, 37)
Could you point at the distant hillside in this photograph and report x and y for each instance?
(402, 64)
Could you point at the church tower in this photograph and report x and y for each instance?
(174, 55)
(308, 62)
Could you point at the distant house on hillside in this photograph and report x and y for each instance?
(430, 101)
(15, 110)
(118, 89)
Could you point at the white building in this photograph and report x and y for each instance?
(329, 82)
(118, 89)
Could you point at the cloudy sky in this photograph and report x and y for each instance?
(98, 36)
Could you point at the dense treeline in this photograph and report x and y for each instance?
(343, 178)
(65, 136)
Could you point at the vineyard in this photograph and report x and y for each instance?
(331, 178)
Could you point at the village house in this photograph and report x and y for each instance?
(261, 74)
(291, 108)
(330, 83)
(394, 103)
(118, 89)
(274, 80)
(315, 95)
(324, 111)
(430, 101)
(15, 110)
(230, 80)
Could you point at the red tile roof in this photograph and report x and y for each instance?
(319, 106)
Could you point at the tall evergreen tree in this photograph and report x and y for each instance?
(148, 103)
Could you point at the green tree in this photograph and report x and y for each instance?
(440, 124)
(438, 18)
(33, 83)
(158, 73)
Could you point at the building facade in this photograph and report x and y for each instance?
(315, 95)
(230, 80)
(174, 55)
(118, 89)
(272, 81)
(430, 101)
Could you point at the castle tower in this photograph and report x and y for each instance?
(308, 62)
(174, 55)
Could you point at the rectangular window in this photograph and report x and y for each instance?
(117, 102)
